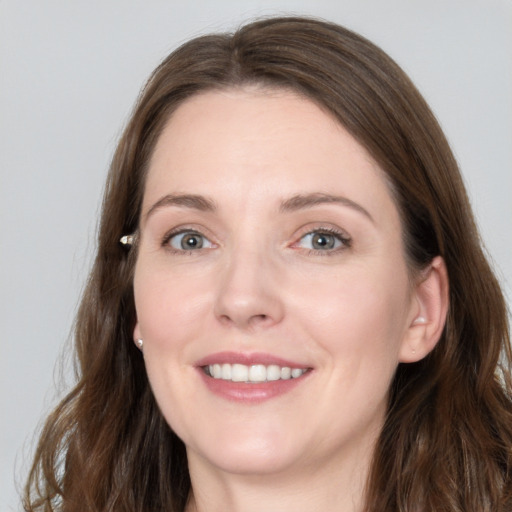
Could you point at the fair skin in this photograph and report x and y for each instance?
(269, 239)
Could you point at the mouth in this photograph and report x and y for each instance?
(251, 378)
(252, 374)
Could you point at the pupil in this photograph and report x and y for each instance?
(191, 242)
(323, 241)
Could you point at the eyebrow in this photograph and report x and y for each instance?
(192, 201)
(303, 201)
(294, 203)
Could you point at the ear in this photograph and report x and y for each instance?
(428, 312)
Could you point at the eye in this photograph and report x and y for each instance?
(188, 241)
(323, 240)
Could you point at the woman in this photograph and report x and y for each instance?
(290, 307)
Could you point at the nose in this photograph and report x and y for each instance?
(249, 294)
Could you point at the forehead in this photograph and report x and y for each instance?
(255, 143)
(271, 122)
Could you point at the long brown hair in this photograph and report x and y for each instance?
(447, 440)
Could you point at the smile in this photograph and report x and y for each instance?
(256, 373)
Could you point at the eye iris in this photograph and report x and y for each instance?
(323, 241)
(191, 241)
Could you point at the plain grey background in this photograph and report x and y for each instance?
(69, 74)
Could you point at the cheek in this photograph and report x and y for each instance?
(169, 316)
(358, 317)
(168, 307)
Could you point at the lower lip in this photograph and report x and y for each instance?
(250, 392)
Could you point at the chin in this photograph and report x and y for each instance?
(253, 453)
(252, 463)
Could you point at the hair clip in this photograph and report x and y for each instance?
(127, 240)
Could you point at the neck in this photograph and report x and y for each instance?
(330, 486)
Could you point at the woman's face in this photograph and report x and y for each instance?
(271, 288)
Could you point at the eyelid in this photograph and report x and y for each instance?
(341, 235)
(184, 229)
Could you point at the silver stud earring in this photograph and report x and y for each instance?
(420, 320)
(127, 240)
(140, 344)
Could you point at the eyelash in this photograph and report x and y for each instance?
(344, 240)
(182, 231)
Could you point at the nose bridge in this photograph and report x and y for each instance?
(248, 294)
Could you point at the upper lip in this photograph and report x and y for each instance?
(248, 359)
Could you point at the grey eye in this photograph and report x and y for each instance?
(320, 241)
(189, 241)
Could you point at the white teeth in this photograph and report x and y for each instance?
(286, 373)
(226, 372)
(239, 373)
(217, 371)
(273, 372)
(297, 372)
(255, 373)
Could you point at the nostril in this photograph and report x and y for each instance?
(256, 319)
